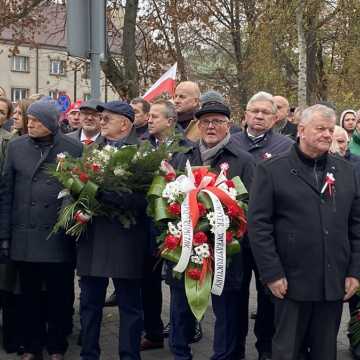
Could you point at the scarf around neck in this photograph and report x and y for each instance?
(208, 154)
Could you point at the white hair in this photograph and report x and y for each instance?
(263, 96)
(338, 130)
(324, 111)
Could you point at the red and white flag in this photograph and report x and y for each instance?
(165, 84)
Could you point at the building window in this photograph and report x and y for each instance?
(57, 67)
(87, 97)
(20, 63)
(19, 94)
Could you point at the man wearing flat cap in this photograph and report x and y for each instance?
(108, 250)
(214, 148)
(89, 131)
(29, 207)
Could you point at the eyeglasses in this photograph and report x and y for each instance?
(258, 111)
(214, 122)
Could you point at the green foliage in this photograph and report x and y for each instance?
(198, 294)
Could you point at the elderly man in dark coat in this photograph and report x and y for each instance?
(215, 148)
(29, 210)
(108, 250)
(263, 143)
(304, 230)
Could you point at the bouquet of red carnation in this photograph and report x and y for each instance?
(202, 217)
(126, 169)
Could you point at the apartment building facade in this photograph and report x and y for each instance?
(43, 66)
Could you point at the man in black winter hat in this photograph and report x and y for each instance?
(214, 148)
(29, 207)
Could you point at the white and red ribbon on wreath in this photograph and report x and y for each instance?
(329, 184)
(190, 216)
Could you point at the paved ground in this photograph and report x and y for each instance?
(201, 350)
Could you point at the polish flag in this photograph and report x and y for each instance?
(165, 84)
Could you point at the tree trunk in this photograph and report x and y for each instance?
(302, 75)
(237, 44)
(177, 43)
(114, 74)
(128, 49)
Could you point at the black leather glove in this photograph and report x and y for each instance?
(110, 198)
(133, 201)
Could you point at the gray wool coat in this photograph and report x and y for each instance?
(28, 201)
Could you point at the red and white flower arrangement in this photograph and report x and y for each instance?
(202, 217)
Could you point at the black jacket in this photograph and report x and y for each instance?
(142, 132)
(240, 164)
(290, 130)
(355, 161)
(183, 142)
(29, 205)
(296, 232)
(107, 249)
(271, 144)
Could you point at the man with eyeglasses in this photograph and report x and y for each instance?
(260, 141)
(108, 250)
(214, 148)
(89, 130)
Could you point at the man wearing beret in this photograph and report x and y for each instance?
(214, 148)
(29, 207)
(108, 250)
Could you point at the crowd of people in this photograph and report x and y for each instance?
(303, 242)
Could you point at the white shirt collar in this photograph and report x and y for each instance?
(84, 137)
(254, 137)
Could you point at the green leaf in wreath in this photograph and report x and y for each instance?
(205, 200)
(203, 225)
(172, 255)
(160, 209)
(198, 295)
(233, 248)
(157, 187)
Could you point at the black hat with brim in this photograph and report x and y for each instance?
(91, 104)
(213, 108)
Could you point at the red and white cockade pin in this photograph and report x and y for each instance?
(224, 167)
(267, 156)
(329, 183)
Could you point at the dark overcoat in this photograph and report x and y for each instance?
(107, 249)
(240, 164)
(29, 205)
(270, 144)
(296, 232)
